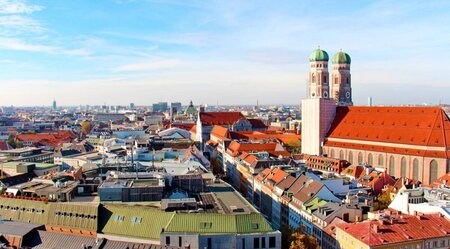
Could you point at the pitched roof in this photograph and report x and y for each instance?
(398, 229)
(354, 170)
(150, 226)
(220, 118)
(257, 123)
(219, 224)
(443, 180)
(421, 126)
(235, 147)
(220, 131)
(70, 215)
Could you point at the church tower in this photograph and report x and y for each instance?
(341, 79)
(318, 109)
(318, 83)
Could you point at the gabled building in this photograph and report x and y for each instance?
(391, 229)
(234, 121)
(409, 142)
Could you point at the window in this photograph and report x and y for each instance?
(403, 171)
(272, 242)
(416, 169)
(256, 243)
(370, 159)
(433, 171)
(313, 78)
(167, 240)
(350, 157)
(205, 225)
(392, 166)
(136, 219)
(380, 160)
(180, 241)
(209, 243)
(341, 155)
(331, 153)
(360, 158)
(254, 225)
(243, 243)
(263, 242)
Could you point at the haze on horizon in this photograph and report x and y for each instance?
(233, 52)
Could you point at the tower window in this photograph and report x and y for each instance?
(348, 81)
(313, 78)
(324, 79)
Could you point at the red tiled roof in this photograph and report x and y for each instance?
(183, 126)
(425, 126)
(354, 170)
(443, 180)
(220, 131)
(48, 139)
(283, 137)
(220, 118)
(235, 147)
(262, 175)
(401, 228)
(331, 228)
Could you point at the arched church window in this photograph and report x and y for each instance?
(403, 170)
(370, 159)
(331, 153)
(433, 171)
(360, 158)
(313, 79)
(350, 157)
(416, 169)
(392, 166)
(341, 155)
(380, 160)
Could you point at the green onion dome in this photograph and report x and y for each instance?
(341, 58)
(318, 55)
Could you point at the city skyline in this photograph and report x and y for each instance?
(118, 52)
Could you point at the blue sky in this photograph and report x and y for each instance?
(233, 52)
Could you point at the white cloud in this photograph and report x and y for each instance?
(160, 64)
(20, 45)
(13, 24)
(18, 7)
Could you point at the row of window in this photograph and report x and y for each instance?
(134, 219)
(433, 174)
(75, 215)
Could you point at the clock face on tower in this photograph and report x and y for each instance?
(347, 95)
(313, 95)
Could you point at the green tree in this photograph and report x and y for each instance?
(86, 127)
(15, 143)
(296, 239)
(215, 166)
(293, 146)
(382, 200)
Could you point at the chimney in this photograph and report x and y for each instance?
(375, 228)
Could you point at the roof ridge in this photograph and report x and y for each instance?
(431, 131)
(443, 114)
